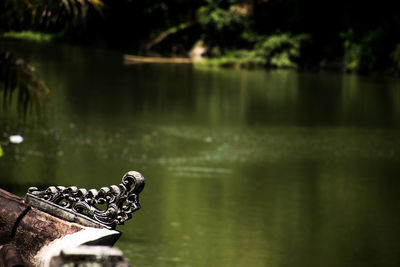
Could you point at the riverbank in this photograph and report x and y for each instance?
(279, 51)
(30, 36)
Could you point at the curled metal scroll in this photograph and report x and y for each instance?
(84, 206)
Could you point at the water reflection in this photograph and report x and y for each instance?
(243, 168)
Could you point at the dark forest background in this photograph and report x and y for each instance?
(355, 35)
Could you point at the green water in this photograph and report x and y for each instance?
(242, 168)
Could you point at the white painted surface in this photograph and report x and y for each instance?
(93, 250)
(71, 241)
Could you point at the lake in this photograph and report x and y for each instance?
(243, 168)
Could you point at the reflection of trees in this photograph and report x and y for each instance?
(319, 99)
(18, 77)
(365, 104)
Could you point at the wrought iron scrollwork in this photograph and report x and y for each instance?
(85, 206)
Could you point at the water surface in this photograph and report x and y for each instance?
(243, 168)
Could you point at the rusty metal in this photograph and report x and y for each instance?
(81, 205)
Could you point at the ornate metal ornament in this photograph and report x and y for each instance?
(83, 206)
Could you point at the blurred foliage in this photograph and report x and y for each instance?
(14, 14)
(64, 14)
(277, 50)
(240, 58)
(29, 35)
(352, 51)
(18, 79)
(213, 15)
(47, 15)
(369, 51)
(223, 21)
(165, 34)
(362, 38)
(281, 50)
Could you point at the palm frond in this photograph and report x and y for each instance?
(50, 14)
